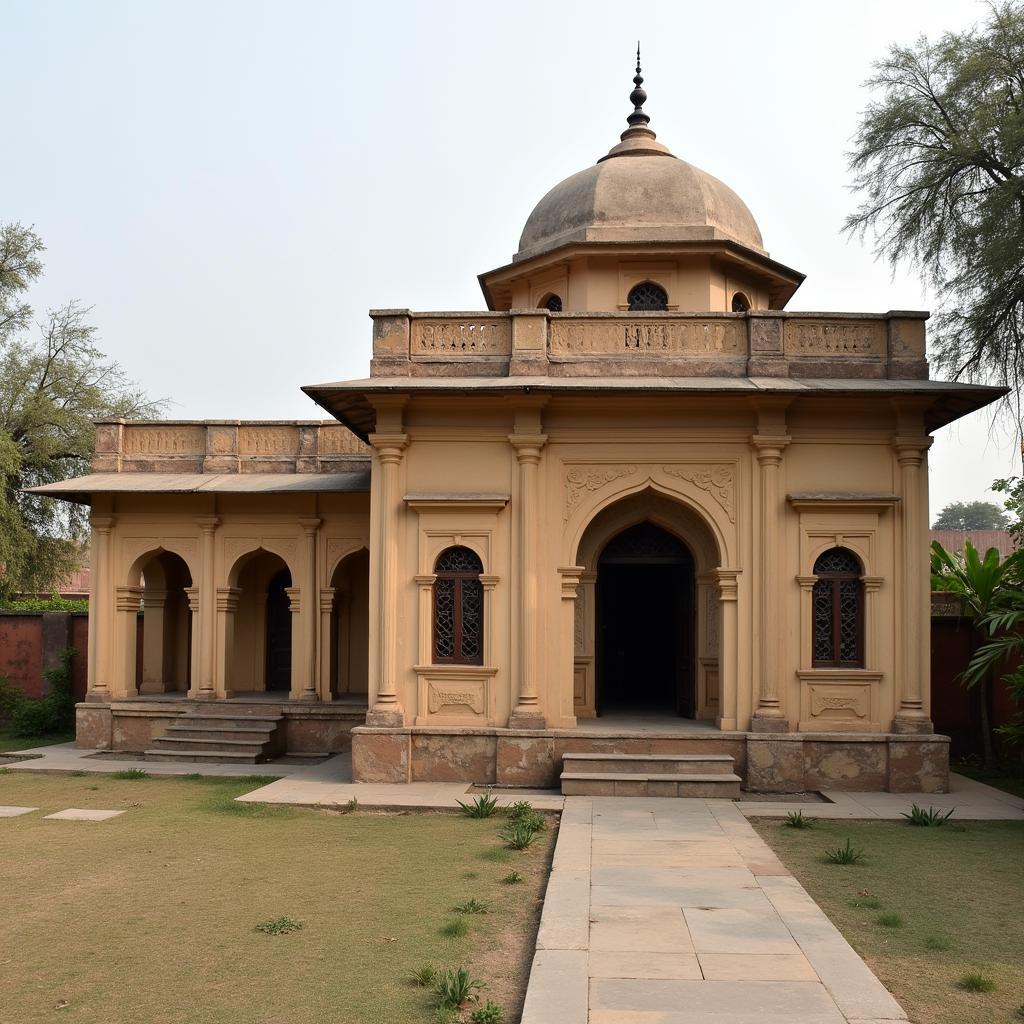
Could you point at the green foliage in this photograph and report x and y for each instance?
(489, 1013)
(971, 515)
(424, 976)
(495, 854)
(523, 813)
(512, 878)
(35, 717)
(938, 160)
(927, 818)
(890, 919)
(844, 855)
(976, 981)
(482, 807)
(457, 987)
(455, 928)
(130, 773)
(48, 604)
(518, 835)
(351, 806)
(11, 698)
(796, 819)
(279, 925)
(473, 906)
(865, 901)
(52, 387)
(937, 943)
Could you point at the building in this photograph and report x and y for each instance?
(634, 507)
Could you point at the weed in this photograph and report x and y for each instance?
(975, 981)
(865, 903)
(1019, 1013)
(455, 928)
(890, 919)
(77, 775)
(926, 819)
(92, 787)
(523, 813)
(130, 773)
(796, 819)
(470, 874)
(455, 988)
(473, 906)
(844, 855)
(279, 925)
(518, 835)
(937, 943)
(512, 878)
(497, 854)
(425, 976)
(489, 1013)
(5, 771)
(482, 807)
(351, 806)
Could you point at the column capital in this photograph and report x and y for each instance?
(192, 593)
(528, 446)
(488, 580)
(208, 523)
(910, 450)
(294, 599)
(128, 599)
(102, 522)
(389, 447)
(872, 583)
(769, 447)
(728, 583)
(807, 582)
(571, 576)
(310, 523)
(227, 598)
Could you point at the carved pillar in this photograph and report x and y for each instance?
(227, 605)
(872, 584)
(298, 662)
(527, 713)
(327, 599)
(309, 689)
(154, 635)
(728, 680)
(770, 716)
(192, 593)
(568, 642)
(127, 604)
(207, 608)
(425, 641)
(101, 614)
(387, 708)
(913, 598)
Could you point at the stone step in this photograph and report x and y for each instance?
(232, 721)
(182, 730)
(209, 746)
(219, 738)
(707, 786)
(647, 764)
(218, 757)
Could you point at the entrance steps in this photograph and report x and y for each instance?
(220, 738)
(707, 776)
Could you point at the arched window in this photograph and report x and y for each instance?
(553, 304)
(647, 295)
(838, 610)
(458, 608)
(740, 303)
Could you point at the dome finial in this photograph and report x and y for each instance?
(638, 97)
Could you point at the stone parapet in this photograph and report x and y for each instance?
(532, 342)
(226, 446)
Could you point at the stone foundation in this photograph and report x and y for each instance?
(767, 762)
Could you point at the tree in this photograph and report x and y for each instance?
(52, 386)
(971, 515)
(938, 160)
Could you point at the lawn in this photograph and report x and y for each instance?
(152, 916)
(958, 896)
(1009, 780)
(8, 741)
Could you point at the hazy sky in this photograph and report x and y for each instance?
(234, 184)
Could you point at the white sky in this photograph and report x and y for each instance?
(234, 184)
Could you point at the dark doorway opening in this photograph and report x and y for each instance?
(279, 633)
(645, 616)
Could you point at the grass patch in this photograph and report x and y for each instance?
(1009, 780)
(130, 773)
(455, 928)
(890, 919)
(9, 742)
(133, 898)
(930, 877)
(280, 925)
(975, 981)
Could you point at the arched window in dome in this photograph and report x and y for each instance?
(458, 608)
(647, 296)
(552, 303)
(740, 303)
(838, 611)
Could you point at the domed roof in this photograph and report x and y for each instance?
(638, 192)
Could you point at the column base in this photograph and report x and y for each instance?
(912, 724)
(387, 717)
(765, 721)
(526, 720)
(97, 697)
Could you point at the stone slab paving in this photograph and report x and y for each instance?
(672, 911)
(80, 814)
(14, 812)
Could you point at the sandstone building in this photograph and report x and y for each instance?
(635, 507)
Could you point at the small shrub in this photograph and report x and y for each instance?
(11, 699)
(844, 855)
(1019, 1013)
(865, 903)
(455, 928)
(455, 988)
(937, 943)
(46, 604)
(425, 976)
(975, 981)
(489, 1013)
(482, 807)
(130, 773)
(890, 919)
(796, 819)
(279, 925)
(92, 787)
(473, 906)
(512, 878)
(930, 818)
(35, 718)
(518, 836)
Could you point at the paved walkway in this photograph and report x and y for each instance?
(670, 911)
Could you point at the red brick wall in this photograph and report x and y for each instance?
(21, 651)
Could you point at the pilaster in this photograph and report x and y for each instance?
(309, 685)
(101, 614)
(207, 607)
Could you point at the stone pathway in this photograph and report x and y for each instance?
(670, 911)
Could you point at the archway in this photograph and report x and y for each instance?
(350, 627)
(645, 623)
(261, 633)
(163, 642)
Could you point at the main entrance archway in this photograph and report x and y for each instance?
(645, 623)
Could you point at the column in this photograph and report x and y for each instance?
(913, 597)
(153, 636)
(192, 593)
(101, 616)
(227, 605)
(308, 623)
(770, 715)
(527, 713)
(568, 642)
(728, 681)
(298, 662)
(387, 709)
(207, 609)
(127, 604)
(327, 598)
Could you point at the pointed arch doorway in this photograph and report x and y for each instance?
(644, 643)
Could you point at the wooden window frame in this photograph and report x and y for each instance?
(834, 580)
(458, 579)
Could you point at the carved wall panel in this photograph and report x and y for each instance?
(580, 480)
(651, 337)
(718, 480)
(170, 440)
(269, 440)
(340, 441)
(461, 337)
(835, 338)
